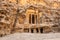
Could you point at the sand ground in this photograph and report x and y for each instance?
(32, 36)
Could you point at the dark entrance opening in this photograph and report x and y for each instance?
(30, 18)
(33, 19)
(41, 30)
(32, 30)
(37, 30)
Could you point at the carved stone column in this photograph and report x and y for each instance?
(29, 30)
(34, 30)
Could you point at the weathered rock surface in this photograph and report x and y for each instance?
(29, 16)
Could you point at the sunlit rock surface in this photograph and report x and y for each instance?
(31, 16)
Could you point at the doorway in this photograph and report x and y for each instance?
(32, 30)
(37, 30)
(41, 30)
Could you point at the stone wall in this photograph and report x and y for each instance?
(14, 15)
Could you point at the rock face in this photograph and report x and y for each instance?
(32, 16)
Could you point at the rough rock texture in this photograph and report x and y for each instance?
(33, 16)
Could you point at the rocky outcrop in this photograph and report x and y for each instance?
(14, 17)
